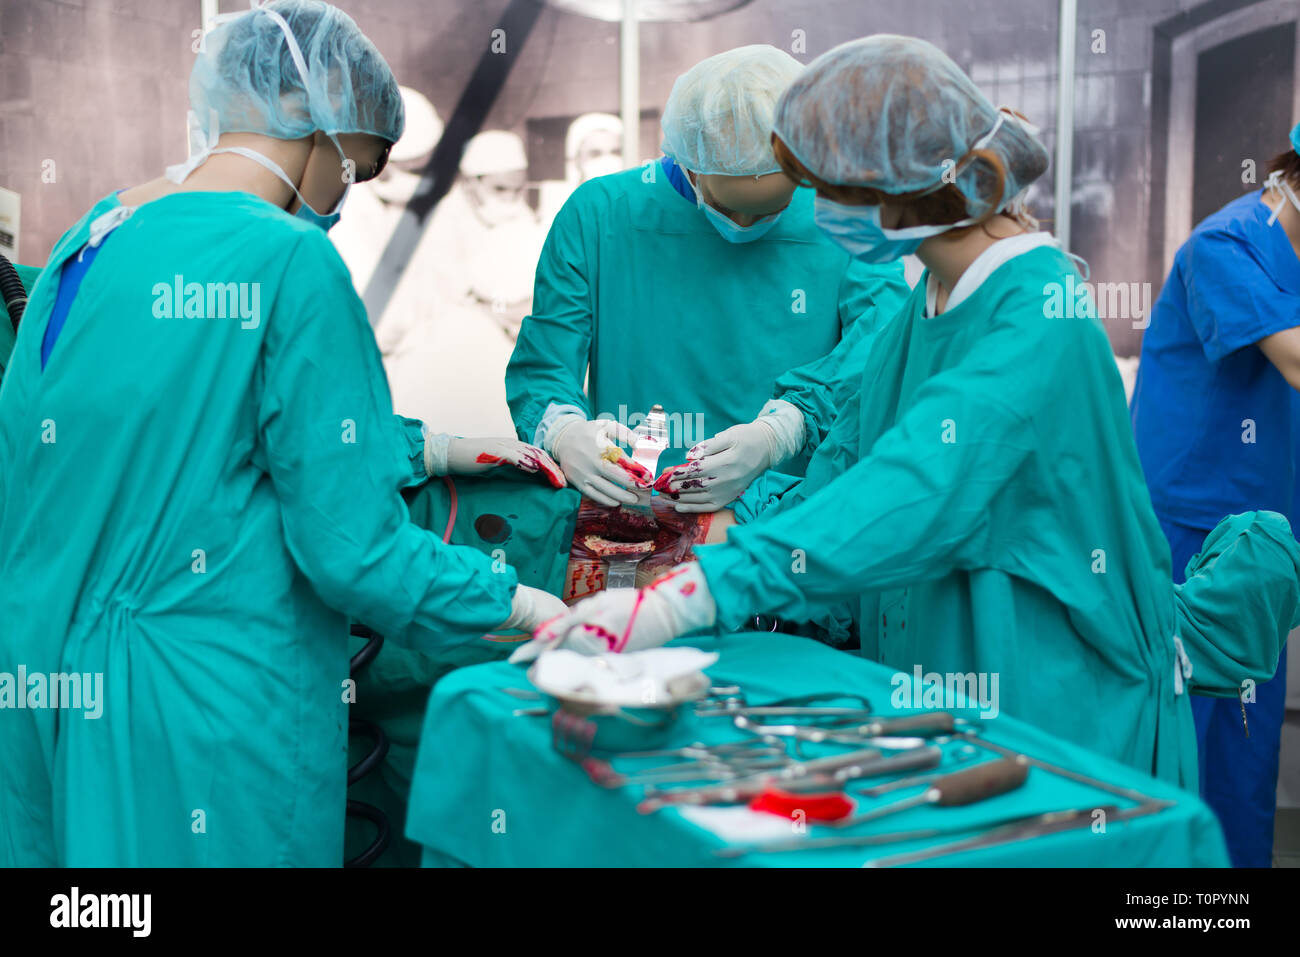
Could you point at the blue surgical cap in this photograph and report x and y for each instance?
(895, 114)
(1295, 138)
(718, 118)
(247, 74)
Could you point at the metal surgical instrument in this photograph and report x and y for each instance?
(879, 732)
(801, 706)
(958, 757)
(1038, 825)
(830, 773)
(701, 750)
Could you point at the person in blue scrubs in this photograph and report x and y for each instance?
(1218, 431)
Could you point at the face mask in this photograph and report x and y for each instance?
(1275, 181)
(857, 229)
(316, 219)
(731, 231)
(325, 221)
(398, 187)
(601, 165)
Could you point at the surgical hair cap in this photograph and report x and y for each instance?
(423, 127)
(586, 124)
(718, 119)
(895, 114)
(248, 75)
(493, 151)
(1295, 138)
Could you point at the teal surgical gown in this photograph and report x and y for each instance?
(635, 282)
(193, 507)
(981, 496)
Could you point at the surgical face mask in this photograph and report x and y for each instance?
(316, 219)
(602, 164)
(858, 230)
(325, 221)
(730, 230)
(1275, 181)
(398, 187)
(497, 202)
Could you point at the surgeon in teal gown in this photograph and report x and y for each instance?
(200, 487)
(981, 494)
(699, 283)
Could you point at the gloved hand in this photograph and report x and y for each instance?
(475, 456)
(448, 455)
(718, 469)
(627, 620)
(531, 608)
(594, 465)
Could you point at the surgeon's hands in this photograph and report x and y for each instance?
(531, 608)
(595, 466)
(718, 469)
(475, 456)
(627, 620)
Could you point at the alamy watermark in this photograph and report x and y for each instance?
(73, 691)
(179, 299)
(1105, 300)
(130, 911)
(685, 429)
(946, 691)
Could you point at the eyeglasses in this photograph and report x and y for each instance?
(378, 165)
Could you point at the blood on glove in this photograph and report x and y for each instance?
(639, 474)
(676, 479)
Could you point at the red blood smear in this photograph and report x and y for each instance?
(604, 634)
(535, 463)
(555, 478)
(489, 459)
(586, 578)
(638, 471)
(815, 807)
(661, 483)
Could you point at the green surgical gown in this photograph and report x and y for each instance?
(193, 507)
(634, 281)
(981, 497)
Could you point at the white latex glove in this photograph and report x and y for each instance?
(449, 455)
(531, 608)
(719, 469)
(625, 620)
(594, 465)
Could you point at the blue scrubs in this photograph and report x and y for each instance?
(74, 270)
(1218, 431)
